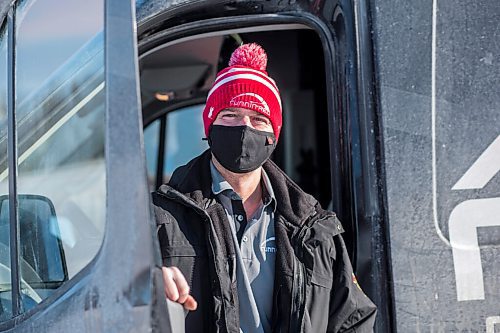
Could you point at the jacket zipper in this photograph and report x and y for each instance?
(299, 285)
(298, 297)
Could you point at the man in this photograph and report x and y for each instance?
(242, 244)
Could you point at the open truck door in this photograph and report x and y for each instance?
(76, 241)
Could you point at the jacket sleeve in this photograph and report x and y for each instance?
(350, 309)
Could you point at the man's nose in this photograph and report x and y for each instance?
(245, 121)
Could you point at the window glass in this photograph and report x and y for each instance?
(183, 137)
(183, 141)
(295, 62)
(5, 281)
(60, 140)
(151, 145)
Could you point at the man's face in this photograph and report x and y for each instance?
(244, 117)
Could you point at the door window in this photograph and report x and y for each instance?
(295, 61)
(182, 140)
(60, 128)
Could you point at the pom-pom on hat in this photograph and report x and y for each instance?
(245, 84)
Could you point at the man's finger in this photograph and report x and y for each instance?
(190, 303)
(181, 283)
(170, 287)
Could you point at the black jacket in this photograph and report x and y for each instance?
(313, 286)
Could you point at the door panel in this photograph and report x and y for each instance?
(80, 145)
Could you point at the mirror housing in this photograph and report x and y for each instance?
(42, 260)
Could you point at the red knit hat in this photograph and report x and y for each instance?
(245, 84)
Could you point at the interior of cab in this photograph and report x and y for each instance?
(176, 77)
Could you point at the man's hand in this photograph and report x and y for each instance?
(177, 289)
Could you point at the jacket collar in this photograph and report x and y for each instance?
(194, 179)
(292, 203)
(221, 186)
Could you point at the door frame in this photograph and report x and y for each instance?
(356, 151)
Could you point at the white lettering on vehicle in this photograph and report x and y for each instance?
(482, 170)
(491, 323)
(466, 217)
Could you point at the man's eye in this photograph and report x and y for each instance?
(229, 115)
(261, 120)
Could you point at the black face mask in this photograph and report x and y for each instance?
(240, 149)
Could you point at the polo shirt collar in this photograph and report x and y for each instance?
(220, 185)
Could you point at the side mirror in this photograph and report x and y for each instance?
(42, 260)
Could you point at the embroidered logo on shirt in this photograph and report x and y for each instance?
(268, 248)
